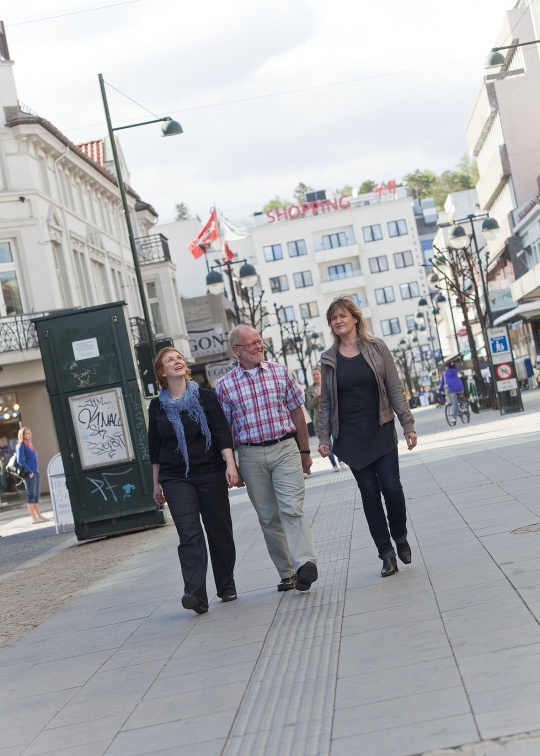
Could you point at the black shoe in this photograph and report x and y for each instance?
(287, 584)
(404, 552)
(306, 575)
(229, 595)
(192, 602)
(389, 566)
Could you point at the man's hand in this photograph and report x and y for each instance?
(306, 463)
(411, 440)
(324, 450)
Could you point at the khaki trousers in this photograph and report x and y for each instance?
(275, 484)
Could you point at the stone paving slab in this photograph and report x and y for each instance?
(443, 655)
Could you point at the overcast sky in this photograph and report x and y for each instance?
(362, 89)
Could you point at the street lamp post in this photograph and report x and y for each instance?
(420, 319)
(216, 284)
(494, 59)
(169, 128)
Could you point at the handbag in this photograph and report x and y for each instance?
(14, 468)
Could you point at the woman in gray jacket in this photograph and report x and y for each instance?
(361, 390)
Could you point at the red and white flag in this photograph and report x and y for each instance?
(209, 233)
(228, 254)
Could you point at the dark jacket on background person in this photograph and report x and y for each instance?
(392, 397)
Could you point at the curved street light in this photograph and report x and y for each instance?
(216, 285)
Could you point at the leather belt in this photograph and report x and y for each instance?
(272, 442)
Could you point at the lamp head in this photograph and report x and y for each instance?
(422, 302)
(494, 59)
(458, 238)
(441, 298)
(490, 229)
(215, 282)
(171, 128)
(248, 275)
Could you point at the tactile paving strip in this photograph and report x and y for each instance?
(289, 702)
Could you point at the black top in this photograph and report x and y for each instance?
(362, 439)
(162, 441)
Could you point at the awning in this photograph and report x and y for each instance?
(522, 311)
(467, 355)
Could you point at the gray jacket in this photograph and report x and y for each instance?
(391, 392)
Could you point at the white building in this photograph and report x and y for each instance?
(63, 244)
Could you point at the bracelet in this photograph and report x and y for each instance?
(305, 451)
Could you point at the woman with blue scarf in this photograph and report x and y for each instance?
(193, 466)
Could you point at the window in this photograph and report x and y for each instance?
(390, 326)
(155, 310)
(10, 297)
(409, 290)
(273, 252)
(301, 280)
(332, 241)
(62, 274)
(378, 264)
(297, 248)
(309, 310)
(286, 314)
(335, 272)
(83, 280)
(100, 282)
(397, 228)
(403, 259)
(372, 233)
(384, 295)
(410, 321)
(358, 301)
(279, 283)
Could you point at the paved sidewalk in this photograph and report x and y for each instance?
(443, 655)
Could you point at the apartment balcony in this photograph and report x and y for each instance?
(18, 333)
(482, 115)
(322, 255)
(335, 284)
(493, 177)
(153, 249)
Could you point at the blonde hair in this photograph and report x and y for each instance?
(21, 432)
(158, 366)
(346, 302)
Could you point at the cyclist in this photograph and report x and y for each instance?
(451, 383)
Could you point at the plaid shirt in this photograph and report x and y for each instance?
(258, 407)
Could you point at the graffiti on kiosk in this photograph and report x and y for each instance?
(102, 433)
(83, 379)
(106, 486)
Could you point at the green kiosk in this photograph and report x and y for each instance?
(99, 420)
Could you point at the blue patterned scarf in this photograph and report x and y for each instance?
(189, 402)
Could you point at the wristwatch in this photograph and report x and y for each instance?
(305, 451)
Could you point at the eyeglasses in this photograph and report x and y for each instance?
(252, 344)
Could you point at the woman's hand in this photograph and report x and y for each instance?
(411, 440)
(324, 450)
(231, 474)
(31, 475)
(158, 496)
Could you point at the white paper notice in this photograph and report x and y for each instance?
(85, 349)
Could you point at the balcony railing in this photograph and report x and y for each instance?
(18, 333)
(138, 329)
(153, 249)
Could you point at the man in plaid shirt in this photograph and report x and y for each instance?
(263, 406)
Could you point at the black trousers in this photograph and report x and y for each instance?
(190, 499)
(382, 476)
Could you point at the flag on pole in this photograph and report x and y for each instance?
(230, 232)
(209, 233)
(228, 254)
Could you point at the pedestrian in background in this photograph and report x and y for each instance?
(263, 405)
(193, 466)
(27, 457)
(361, 390)
(313, 400)
(453, 385)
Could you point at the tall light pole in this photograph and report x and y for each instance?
(169, 128)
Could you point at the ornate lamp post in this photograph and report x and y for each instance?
(216, 285)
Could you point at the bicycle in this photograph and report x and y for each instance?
(464, 411)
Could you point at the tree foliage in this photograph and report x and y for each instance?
(182, 211)
(275, 203)
(300, 192)
(428, 184)
(366, 186)
(346, 191)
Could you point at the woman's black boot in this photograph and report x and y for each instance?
(389, 566)
(404, 552)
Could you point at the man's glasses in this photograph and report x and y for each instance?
(252, 344)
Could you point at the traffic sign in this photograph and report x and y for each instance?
(499, 345)
(504, 371)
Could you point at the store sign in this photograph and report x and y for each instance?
(307, 208)
(214, 370)
(501, 299)
(209, 340)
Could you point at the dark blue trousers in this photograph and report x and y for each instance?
(190, 500)
(382, 477)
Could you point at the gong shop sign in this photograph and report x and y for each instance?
(206, 341)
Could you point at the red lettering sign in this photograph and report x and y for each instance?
(308, 208)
